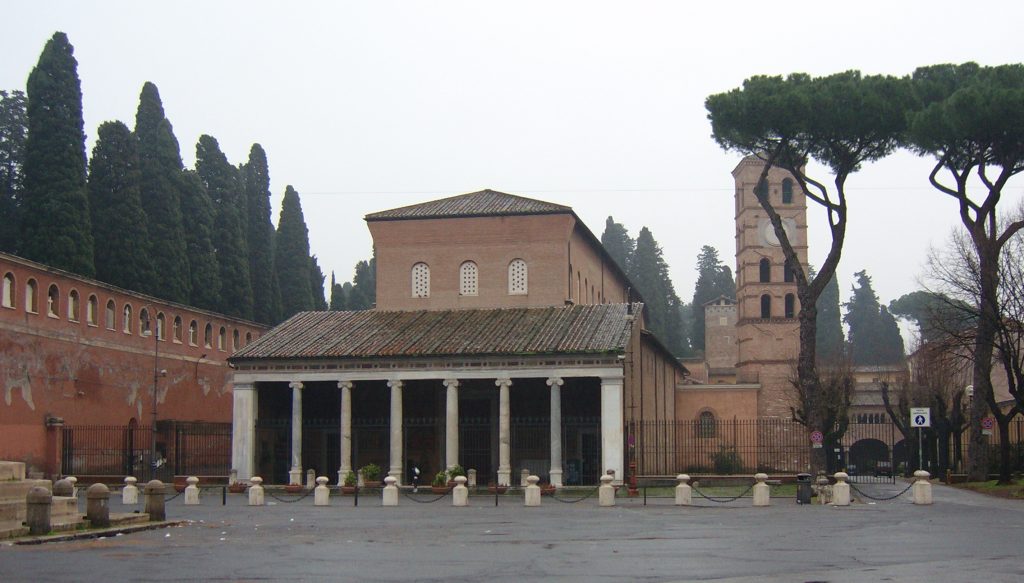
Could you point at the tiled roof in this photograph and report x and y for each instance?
(474, 204)
(589, 329)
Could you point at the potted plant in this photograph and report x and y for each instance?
(454, 471)
(547, 489)
(348, 483)
(494, 488)
(371, 475)
(440, 483)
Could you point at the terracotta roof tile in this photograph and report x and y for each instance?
(474, 204)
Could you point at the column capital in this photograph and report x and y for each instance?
(395, 384)
(451, 383)
(616, 379)
(504, 382)
(555, 382)
(244, 386)
(344, 384)
(295, 385)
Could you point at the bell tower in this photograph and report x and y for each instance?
(767, 329)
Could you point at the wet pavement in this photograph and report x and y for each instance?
(890, 540)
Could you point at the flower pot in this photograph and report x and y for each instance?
(497, 489)
(236, 488)
(547, 490)
(348, 490)
(439, 489)
(293, 488)
(371, 483)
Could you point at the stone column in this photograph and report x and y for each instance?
(395, 469)
(451, 425)
(346, 430)
(243, 429)
(556, 431)
(295, 473)
(612, 457)
(504, 431)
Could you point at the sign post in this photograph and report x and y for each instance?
(920, 417)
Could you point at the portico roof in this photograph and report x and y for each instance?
(584, 329)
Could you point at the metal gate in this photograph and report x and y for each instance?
(866, 453)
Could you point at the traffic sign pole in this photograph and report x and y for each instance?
(920, 450)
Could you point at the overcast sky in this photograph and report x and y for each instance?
(364, 106)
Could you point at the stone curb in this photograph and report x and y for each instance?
(93, 533)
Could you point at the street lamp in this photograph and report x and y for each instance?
(157, 373)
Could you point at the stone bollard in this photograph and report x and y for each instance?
(824, 489)
(321, 494)
(97, 505)
(922, 488)
(523, 475)
(192, 491)
(606, 492)
(37, 517)
(155, 508)
(684, 493)
(389, 493)
(762, 494)
(130, 492)
(532, 497)
(310, 479)
(359, 479)
(460, 493)
(232, 477)
(841, 490)
(256, 491)
(74, 485)
(63, 487)
(471, 478)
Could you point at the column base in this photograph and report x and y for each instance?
(295, 476)
(396, 473)
(556, 478)
(505, 477)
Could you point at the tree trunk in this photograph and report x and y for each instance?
(1004, 449)
(988, 265)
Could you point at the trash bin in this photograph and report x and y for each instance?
(803, 488)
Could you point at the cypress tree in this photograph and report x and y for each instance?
(316, 285)
(56, 226)
(13, 132)
(260, 236)
(122, 256)
(649, 272)
(829, 340)
(363, 294)
(291, 257)
(714, 279)
(874, 335)
(160, 157)
(223, 185)
(617, 242)
(204, 272)
(339, 295)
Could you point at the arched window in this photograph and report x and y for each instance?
(248, 338)
(421, 280)
(91, 308)
(517, 277)
(234, 339)
(208, 336)
(177, 328)
(787, 191)
(788, 276)
(193, 333)
(73, 307)
(53, 301)
(468, 279)
(766, 306)
(8, 295)
(32, 297)
(126, 323)
(765, 270)
(111, 315)
(706, 424)
(160, 321)
(221, 338)
(790, 305)
(144, 322)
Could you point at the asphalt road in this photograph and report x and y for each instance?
(963, 537)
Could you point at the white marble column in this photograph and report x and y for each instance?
(295, 473)
(612, 457)
(504, 431)
(243, 429)
(556, 431)
(395, 469)
(345, 430)
(451, 425)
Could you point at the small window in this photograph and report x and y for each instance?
(53, 301)
(517, 277)
(8, 294)
(160, 325)
(208, 336)
(788, 276)
(248, 338)
(32, 297)
(126, 321)
(787, 191)
(790, 305)
(766, 306)
(221, 338)
(468, 279)
(421, 280)
(111, 315)
(193, 333)
(706, 424)
(144, 327)
(73, 306)
(723, 321)
(92, 307)
(234, 340)
(765, 270)
(177, 329)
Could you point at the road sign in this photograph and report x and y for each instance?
(816, 438)
(920, 417)
(987, 423)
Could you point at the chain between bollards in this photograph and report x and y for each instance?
(722, 500)
(881, 498)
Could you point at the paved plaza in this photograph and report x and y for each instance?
(418, 541)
